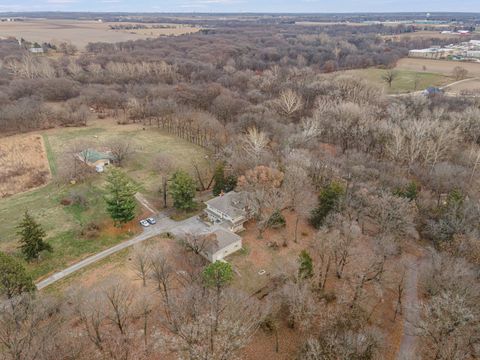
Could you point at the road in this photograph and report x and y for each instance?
(164, 224)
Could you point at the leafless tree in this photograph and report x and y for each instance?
(264, 193)
(30, 328)
(389, 77)
(254, 143)
(459, 73)
(301, 305)
(289, 103)
(121, 150)
(299, 194)
(141, 263)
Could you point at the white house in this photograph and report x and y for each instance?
(220, 243)
(228, 210)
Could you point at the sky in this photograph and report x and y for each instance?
(307, 6)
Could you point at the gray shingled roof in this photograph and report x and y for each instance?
(233, 204)
(220, 238)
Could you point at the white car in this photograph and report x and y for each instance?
(144, 223)
(151, 221)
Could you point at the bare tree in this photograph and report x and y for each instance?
(289, 103)
(459, 73)
(389, 76)
(299, 194)
(301, 306)
(121, 150)
(141, 263)
(264, 193)
(254, 143)
(30, 328)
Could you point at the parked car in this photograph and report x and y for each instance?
(144, 223)
(151, 221)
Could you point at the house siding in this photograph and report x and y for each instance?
(221, 254)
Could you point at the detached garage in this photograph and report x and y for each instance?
(220, 243)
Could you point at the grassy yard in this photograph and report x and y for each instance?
(405, 80)
(66, 224)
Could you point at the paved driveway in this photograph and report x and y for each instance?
(164, 224)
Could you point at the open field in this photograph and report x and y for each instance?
(444, 67)
(77, 230)
(80, 33)
(23, 164)
(406, 80)
(424, 34)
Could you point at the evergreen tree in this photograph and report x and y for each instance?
(410, 191)
(31, 238)
(230, 183)
(222, 182)
(305, 270)
(218, 274)
(328, 201)
(219, 179)
(14, 279)
(120, 201)
(182, 190)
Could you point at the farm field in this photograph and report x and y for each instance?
(443, 67)
(80, 33)
(406, 80)
(23, 164)
(424, 34)
(79, 229)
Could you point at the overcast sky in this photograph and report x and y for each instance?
(242, 5)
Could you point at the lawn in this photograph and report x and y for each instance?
(66, 224)
(405, 80)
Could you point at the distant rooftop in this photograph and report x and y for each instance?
(92, 156)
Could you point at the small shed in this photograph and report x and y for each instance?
(96, 158)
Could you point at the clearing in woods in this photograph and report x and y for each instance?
(405, 81)
(23, 164)
(81, 226)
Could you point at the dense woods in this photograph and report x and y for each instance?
(267, 102)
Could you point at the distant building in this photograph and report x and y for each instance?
(228, 210)
(431, 53)
(36, 50)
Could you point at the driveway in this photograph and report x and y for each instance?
(164, 224)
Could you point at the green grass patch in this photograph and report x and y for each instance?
(64, 223)
(406, 80)
(50, 155)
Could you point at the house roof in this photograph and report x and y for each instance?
(219, 239)
(92, 156)
(232, 204)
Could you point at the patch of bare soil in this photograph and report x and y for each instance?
(23, 164)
